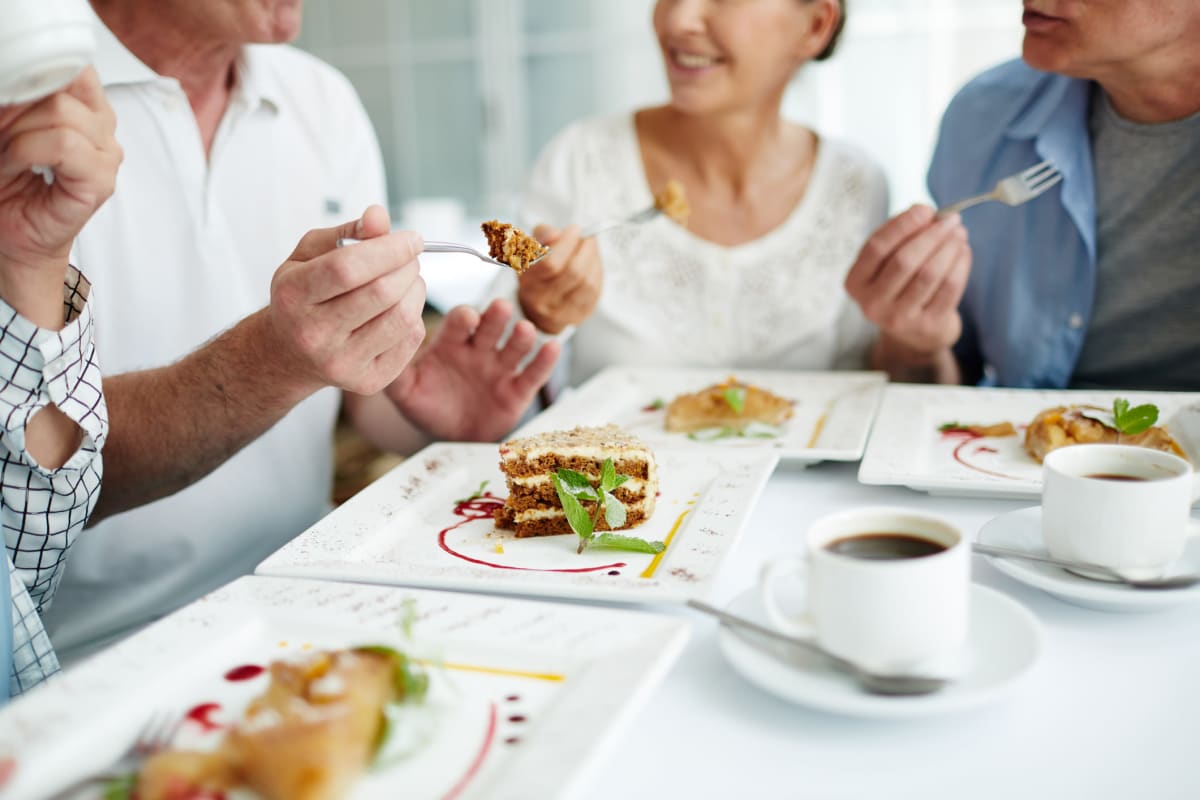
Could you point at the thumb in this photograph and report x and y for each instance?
(374, 222)
(546, 234)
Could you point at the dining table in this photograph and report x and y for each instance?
(1109, 709)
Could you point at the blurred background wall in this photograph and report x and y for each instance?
(464, 93)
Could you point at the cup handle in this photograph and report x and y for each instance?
(772, 572)
(1195, 488)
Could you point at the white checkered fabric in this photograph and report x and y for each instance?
(42, 511)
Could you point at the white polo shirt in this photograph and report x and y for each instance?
(184, 249)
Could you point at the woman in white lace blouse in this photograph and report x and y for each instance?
(778, 212)
(52, 415)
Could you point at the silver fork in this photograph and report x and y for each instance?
(451, 247)
(645, 215)
(1013, 190)
(155, 736)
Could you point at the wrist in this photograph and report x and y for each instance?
(264, 352)
(35, 290)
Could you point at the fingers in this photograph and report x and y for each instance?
(565, 246)
(373, 223)
(520, 342)
(953, 284)
(546, 234)
(64, 149)
(459, 325)
(913, 257)
(925, 281)
(883, 243)
(538, 371)
(363, 303)
(88, 90)
(492, 325)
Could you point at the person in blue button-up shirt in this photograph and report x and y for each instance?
(1094, 283)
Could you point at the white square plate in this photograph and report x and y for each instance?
(409, 528)
(908, 449)
(524, 699)
(832, 415)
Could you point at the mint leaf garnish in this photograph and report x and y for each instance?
(1130, 421)
(614, 511)
(657, 405)
(120, 787)
(577, 517)
(608, 476)
(613, 541)
(478, 494)
(411, 681)
(572, 486)
(735, 396)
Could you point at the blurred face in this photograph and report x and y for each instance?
(728, 54)
(1097, 38)
(241, 21)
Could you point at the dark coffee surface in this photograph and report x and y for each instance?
(1113, 476)
(884, 546)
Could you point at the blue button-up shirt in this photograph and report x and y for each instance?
(1028, 303)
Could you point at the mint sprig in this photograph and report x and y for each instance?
(574, 487)
(735, 397)
(478, 494)
(1130, 421)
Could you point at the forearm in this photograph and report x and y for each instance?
(906, 365)
(378, 420)
(171, 426)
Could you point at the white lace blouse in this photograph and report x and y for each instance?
(671, 297)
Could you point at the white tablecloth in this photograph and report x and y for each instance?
(1110, 710)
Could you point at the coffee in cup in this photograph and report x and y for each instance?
(886, 588)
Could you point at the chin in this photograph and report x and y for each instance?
(1043, 55)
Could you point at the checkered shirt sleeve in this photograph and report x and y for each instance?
(42, 511)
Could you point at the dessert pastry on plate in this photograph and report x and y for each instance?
(512, 245)
(530, 464)
(1065, 425)
(308, 736)
(730, 404)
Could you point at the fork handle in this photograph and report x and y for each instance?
(954, 208)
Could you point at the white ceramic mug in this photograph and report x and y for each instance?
(1138, 525)
(43, 46)
(889, 615)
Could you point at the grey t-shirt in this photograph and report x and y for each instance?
(1145, 326)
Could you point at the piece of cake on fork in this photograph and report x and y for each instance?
(512, 245)
(529, 465)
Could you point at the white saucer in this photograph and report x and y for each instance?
(1022, 530)
(1002, 644)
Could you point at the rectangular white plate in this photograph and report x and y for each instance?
(907, 449)
(526, 697)
(408, 528)
(832, 415)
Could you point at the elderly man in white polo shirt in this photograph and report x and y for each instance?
(221, 449)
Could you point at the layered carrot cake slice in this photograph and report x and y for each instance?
(529, 466)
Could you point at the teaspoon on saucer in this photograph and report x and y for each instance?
(872, 682)
(1082, 569)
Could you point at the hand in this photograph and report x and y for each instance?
(348, 317)
(462, 387)
(72, 132)
(909, 278)
(564, 287)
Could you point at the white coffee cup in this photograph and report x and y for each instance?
(889, 614)
(43, 46)
(1137, 523)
